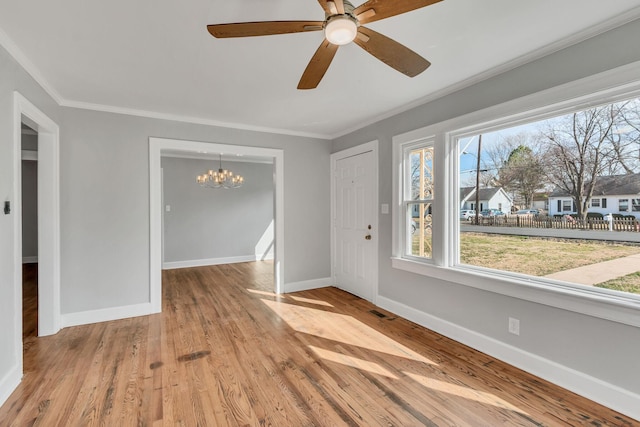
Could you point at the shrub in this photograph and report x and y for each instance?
(595, 215)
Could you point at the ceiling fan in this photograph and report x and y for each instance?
(342, 24)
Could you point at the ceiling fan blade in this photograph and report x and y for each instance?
(318, 65)
(375, 10)
(391, 52)
(332, 7)
(266, 28)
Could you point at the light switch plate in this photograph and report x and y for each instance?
(384, 208)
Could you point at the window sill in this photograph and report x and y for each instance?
(604, 304)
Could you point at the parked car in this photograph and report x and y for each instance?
(467, 214)
(528, 212)
(491, 212)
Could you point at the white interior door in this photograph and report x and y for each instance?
(354, 233)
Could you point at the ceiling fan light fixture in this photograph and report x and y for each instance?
(341, 29)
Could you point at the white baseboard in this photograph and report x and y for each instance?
(578, 382)
(214, 261)
(305, 285)
(29, 259)
(264, 257)
(106, 314)
(9, 382)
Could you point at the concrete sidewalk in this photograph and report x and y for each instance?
(600, 272)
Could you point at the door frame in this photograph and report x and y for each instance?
(49, 316)
(372, 147)
(156, 148)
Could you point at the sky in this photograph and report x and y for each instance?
(469, 149)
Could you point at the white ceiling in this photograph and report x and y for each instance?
(156, 58)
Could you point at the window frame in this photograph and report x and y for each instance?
(611, 86)
(407, 201)
(594, 204)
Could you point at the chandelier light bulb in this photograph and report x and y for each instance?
(222, 178)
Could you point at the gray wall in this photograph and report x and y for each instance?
(104, 159)
(13, 77)
(206, 223)
(29, 208)
(599, 348)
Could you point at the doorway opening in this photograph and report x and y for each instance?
(203, 227)
(29, 193)
(41, 146)
(159, 147)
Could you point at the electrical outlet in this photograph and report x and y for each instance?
(514, 326)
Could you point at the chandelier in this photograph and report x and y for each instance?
(221, 178)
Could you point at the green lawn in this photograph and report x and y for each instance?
(629, 283)
(540, 256)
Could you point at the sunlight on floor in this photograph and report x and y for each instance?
(310, 301)
(354, 362)
(293, 297)
(341, 328)
(269, 294)
(349, 331)
(464, 392)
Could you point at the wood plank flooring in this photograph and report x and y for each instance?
(226, 351)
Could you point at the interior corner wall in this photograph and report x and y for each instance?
(204, 225)
(13, 78)
(601, 349)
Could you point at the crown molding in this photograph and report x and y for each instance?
(27, 65)
(188, 119)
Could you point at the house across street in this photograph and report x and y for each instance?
(617, 194)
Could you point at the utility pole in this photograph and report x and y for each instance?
(478, 181)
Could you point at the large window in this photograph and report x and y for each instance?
(539, 221)
(567, 158)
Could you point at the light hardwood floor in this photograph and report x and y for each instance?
(227, 351)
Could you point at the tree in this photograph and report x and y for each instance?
(516, 166)
(582, 146)
(625, 138)
(523, 173)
